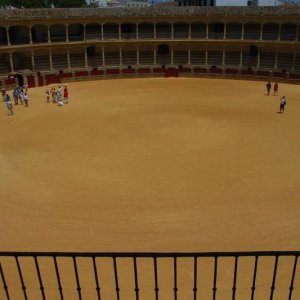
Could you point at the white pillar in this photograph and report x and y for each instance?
(103, 57)
(154, 30)
(67, 33)
(189, 56)
(137, 31)
(243, 30)
(84, 32)
(190, 30)
(11, 63)
(206, 57)
(102, 34)
(138, 57)
(223, 57)
(32, 61)
(241, 58)
(120, 53)
(154, 53)
(276, 59)
(225, 31)
(172, 31)
(68, 59)
(261, 32)
(7, 34)
(30, 35)
(85, 58)
(49, 36)
(120, 31)
(206, 31)
(50, 59)
(172, 56)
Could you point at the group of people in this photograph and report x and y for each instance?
(59, 96)
(20, 95)
(276, 90)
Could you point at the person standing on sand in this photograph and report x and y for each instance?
(3, 92)
(66, 94)
(48, 95)
(26, 99)
(268, 86)
(276, 89)
(282, 104)
(8, 105)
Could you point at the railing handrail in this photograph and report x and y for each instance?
(150, 254)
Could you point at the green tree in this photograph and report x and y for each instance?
(69, 3)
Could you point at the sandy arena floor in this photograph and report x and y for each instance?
(152, 165)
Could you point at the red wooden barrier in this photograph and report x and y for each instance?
(31, 81)
(171, 72)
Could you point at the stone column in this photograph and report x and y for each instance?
(32, 61)
(120, 53)
(172, 31)
(279, 33)
(11, 63)
(68, 59)
(7, 35)
(137, 31)
(154, 53)
(261, 32)
(49, 36)
(206, 30)
(84, 32)
(67, 33)
(30, 35)
(241, 58)
(120, 32)
(258, 58)
(138, 57)
(85, 59)
(225, 31)
(172, 56)
(103, 57)
(102, 32)
(276, 59)
(154, 31)
(189, 56)
(243, 30)
(50, 59)
(190, 30)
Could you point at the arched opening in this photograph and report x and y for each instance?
(146, 31)
(232, 56)
(129, 56)
(42, 60)
(3, 36)
(19, 35)
(270, 31)
(146, 55)
(250, 56)
(112, 56)
(180, 55)
(59, 59)
(267, 58)
(216, 30)
(77, 57)
(198, 30)
(233, 31)
(128, 31)
(58, 33)
(288, 32)
(163, 54)
(252, 31)
(4, 64)
(111, 31)
(163, 31)
(181, 30)
(93, 31)
(39, 34)
(22, 61)
(198, 55)
(76, 32)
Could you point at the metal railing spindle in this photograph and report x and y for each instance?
(175, 278)
(215, 278)
(60, 288)
(42, 288)
(235, 277)
(254, 278)
(116, 278)
(21, 277)
(96, 278)
(274, 277)
(156, 289)
(4, 282)
(136, 282)
(77, 278)
(293, 278)
(195, 278)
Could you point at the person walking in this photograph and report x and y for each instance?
(66, 94)
(26, 99)
(268, 86)
(8, 105)
(48, 95)
(282, 104)
(3, 92)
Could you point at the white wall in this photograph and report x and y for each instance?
(231, 2)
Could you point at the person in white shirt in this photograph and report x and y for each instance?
(282, 104)
(26, 99)
(8, 105)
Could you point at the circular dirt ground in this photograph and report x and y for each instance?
(152, 165)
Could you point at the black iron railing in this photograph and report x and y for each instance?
(13, 267)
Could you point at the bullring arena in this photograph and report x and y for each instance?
(195, 162)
